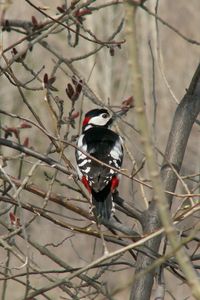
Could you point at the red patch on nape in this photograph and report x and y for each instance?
(86, 184)
(114, 183)
(86, 120)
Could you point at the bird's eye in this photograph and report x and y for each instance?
(105, 115)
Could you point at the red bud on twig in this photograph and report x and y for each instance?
(26, 142)
(14, 50)
(128, 103)
(25, 125)
(14, 220)
(11, 130)
(45, 79)
(34, 21)
(112, 51)
(83, 12)
(74, 92)
(75, 115)
(51, 80)
(70, 91)
(61, 9)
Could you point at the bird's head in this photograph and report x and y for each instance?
(97, 117)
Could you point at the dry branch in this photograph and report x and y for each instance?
(158, 210)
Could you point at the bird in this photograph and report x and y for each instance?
(104, 146)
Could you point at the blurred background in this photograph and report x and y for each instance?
(168, 62)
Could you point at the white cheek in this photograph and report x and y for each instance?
(98, 121)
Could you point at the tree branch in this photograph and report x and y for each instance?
(158, 210)
(184, 118)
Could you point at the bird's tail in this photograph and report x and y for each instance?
(103, 207)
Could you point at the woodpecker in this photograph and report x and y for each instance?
(105, 145)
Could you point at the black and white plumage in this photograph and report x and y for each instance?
(107, 146)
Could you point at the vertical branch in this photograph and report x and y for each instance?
(142, 288)
(185, 116)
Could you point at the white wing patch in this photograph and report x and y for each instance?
(116, 152)
(83, 147)
(87, 170)
(85, 161)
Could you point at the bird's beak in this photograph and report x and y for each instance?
(110, 121)
(115, 116)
